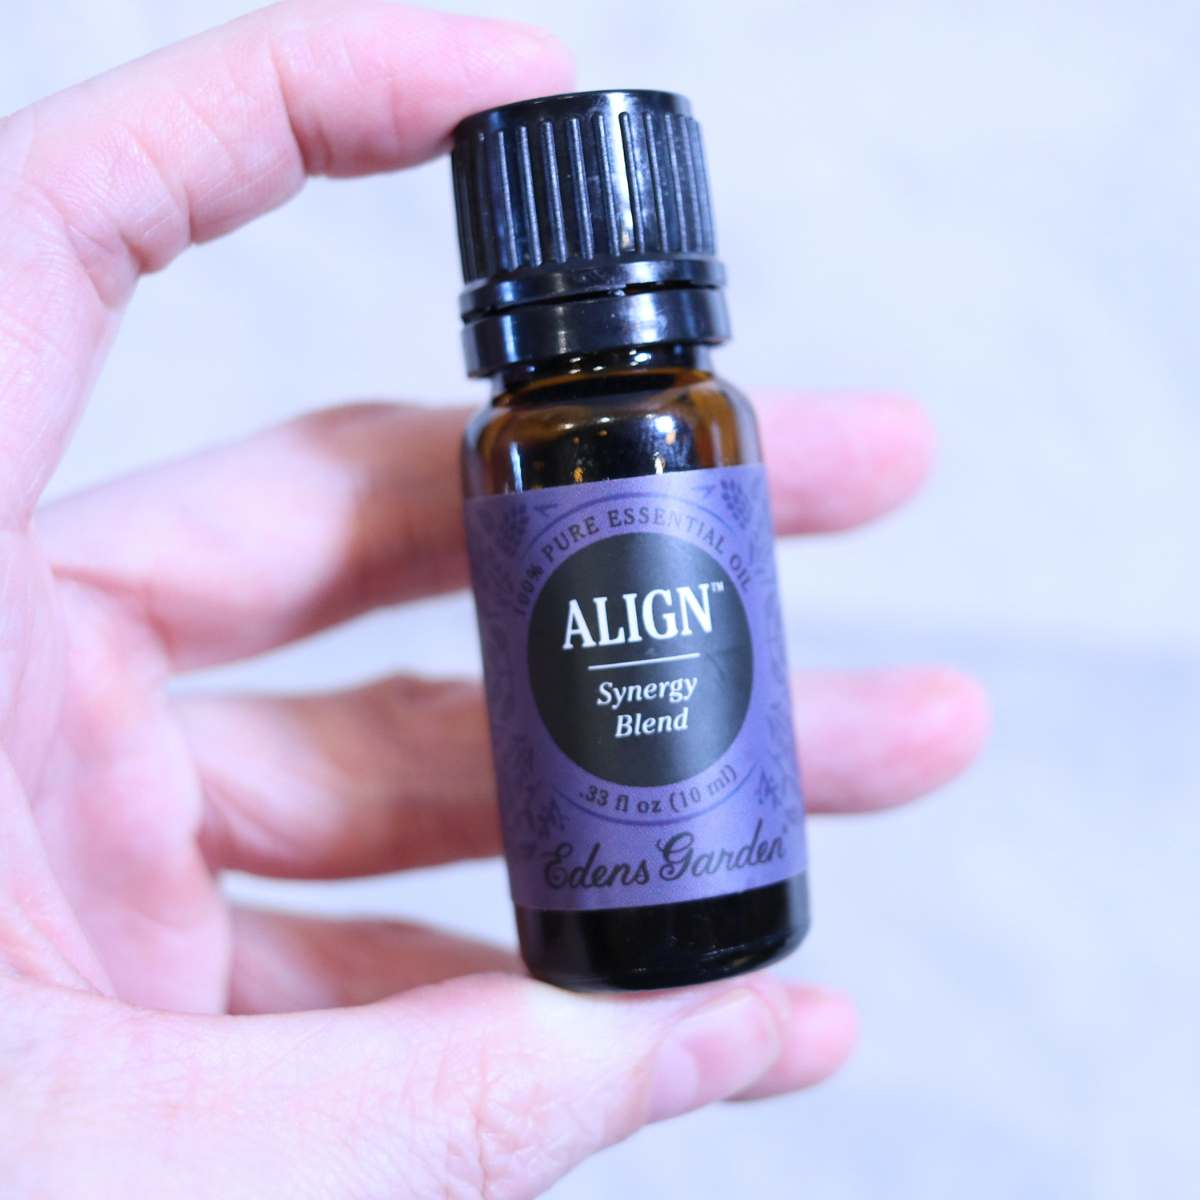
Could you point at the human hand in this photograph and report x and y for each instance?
(367, 1058)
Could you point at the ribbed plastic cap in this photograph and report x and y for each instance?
(585, 224)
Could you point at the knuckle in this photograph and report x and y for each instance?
(490, 1130)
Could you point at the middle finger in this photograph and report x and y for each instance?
(240, 549)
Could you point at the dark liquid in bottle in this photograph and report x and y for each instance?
(616, 416)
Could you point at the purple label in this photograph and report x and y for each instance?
(638, 689)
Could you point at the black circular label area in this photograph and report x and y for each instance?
(640, 659)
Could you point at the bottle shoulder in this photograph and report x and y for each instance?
(582, 431)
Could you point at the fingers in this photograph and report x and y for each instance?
(876, 739)
(398, 774)
(189, 143)
(524, 1082)
(117, 176)
(837, 461)
(484, 1086)
(816, 1041)
(240, 549)
(233, 551)
(394, 774)
(285, 962)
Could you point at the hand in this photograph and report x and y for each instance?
(372, 1059)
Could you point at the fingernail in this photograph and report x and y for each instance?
(818, 1038)
(712, 1053)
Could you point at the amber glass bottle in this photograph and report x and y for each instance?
(621, 555)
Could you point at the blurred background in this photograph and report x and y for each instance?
(996, 209)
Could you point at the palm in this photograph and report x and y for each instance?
(115, 793)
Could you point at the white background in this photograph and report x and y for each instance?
(993, 207)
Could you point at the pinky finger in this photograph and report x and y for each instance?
(288, 962)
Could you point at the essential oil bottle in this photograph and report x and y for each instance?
(621, 554)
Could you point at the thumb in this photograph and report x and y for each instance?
(484, 1086)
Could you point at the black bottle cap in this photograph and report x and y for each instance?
(585, 224)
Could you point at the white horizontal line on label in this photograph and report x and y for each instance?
(643, 662)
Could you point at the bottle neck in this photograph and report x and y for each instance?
(526, 380)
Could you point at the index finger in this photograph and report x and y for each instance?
(117, 176)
